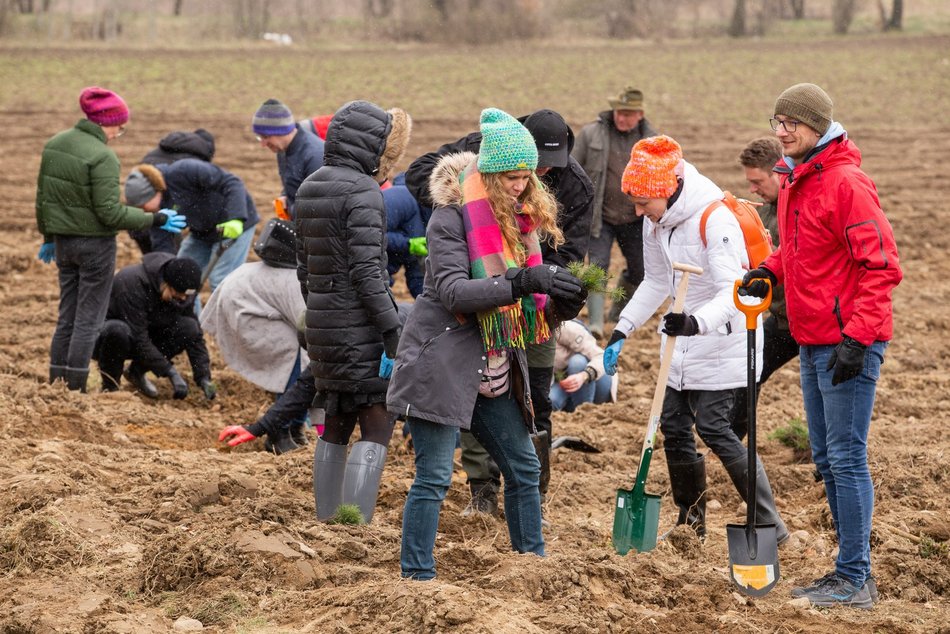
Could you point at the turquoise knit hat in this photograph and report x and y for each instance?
(506, 144)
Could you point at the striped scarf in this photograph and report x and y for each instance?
(517, 324)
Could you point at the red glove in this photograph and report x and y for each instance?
(238, 433)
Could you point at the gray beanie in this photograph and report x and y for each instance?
(142, 183)
(273, 118)
(807, 103)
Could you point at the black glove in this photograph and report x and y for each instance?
(391, 341)
(753, 287)
(208, 387)
(178, 384)
(567, 308)
(680, 325)
(847, 359)
(546, 278)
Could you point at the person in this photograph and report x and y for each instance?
(299, 151)
(602, 149)
(221, 215)
(78, 213)
(759, 161)
(253, 317)
(172, 147)
(839, 273)
(150, 321)
(709, 360)
(317, 125)
(563, 176)
(462, 362)
(352, 321)
(405, 234)
(581, 362)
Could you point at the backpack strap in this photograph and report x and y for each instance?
(702, 221)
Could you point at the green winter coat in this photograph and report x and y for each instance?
(77, 192)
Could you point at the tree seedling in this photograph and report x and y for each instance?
(348, 514)
(595, 279)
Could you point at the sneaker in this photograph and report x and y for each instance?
(872, 589)
(839, 591)
(814, 585)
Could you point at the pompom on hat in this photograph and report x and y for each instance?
(506, 144)
(273, 118)
(807, 103)
(103, 107)
(651, 171)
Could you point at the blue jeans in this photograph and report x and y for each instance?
(498, 425)
(231, 258)
(596, 392)
(839, 418)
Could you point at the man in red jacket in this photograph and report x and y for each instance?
(838, 262)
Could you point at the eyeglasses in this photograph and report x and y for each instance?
(120, 132)
(262, 137)
(788, 124)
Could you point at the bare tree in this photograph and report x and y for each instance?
(842, 14)
(176, 8)
(797, 6)
(896, 20)
(737, 24)
(251, 17)
(622, 19)
(378, 8)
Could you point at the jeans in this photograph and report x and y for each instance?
(711, 412)
(596, 392)
(839, 418)
(231, 258)
(86, 266)
(498, 425)
(629, 238)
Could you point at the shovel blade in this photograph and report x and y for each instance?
(636, 520)
(753, 558)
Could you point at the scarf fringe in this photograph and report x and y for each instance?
(513, 326)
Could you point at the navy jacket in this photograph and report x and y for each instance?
(403, 220)
(303, 157)
(179, 145)
(207, 195)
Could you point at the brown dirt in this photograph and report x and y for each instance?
(120, 514)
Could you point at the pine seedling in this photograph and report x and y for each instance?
(348, 514)
(596, 280)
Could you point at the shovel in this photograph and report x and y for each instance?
(637, 513)
(753, 549)
(219, 250)
(574, 443)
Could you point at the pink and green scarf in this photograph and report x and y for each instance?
(517, 324)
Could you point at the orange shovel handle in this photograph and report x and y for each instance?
(752, 311)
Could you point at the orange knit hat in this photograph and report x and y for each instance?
(650, 172)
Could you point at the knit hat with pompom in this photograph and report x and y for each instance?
(650, 173)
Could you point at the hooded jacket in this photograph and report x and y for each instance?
(570, 186)
(838, 258)
(341, 251)
(178, 145)
(593, 147)
(441, 358)
(77, 191)
(715, 359)
(136, 299)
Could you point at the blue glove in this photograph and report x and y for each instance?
(612, 353)
(47, 252)
(174, 222)
(385, 367)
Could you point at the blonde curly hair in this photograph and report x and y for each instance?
(536, 201)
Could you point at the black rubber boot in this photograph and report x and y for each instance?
(57, 372)
(765, 510)
(688, 481)
(542, 447)
(76, 379)
(298, 433)
(280, 442)
(484, 500)
(136, 376)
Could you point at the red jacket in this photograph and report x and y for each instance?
(838, 259)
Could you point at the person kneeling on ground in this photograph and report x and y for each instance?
(461, 361)
(151, 320)
(580, 362)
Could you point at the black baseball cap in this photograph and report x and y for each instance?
(553, 137)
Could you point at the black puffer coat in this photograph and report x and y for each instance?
(341, 250)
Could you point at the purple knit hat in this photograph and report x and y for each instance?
(273, 118)
(103, 106)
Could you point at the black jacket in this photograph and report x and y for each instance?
(570, 186)
(136, 299)
(178, 145)
(341, 248)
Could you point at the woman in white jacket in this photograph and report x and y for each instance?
(709, 360)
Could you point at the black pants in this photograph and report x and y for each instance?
(115, 345)
(711, 412)
(86, 266)
(779, 349)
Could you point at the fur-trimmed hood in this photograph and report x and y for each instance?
(444, 180)
(397, 141)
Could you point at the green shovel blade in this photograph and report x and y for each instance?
(636, 519)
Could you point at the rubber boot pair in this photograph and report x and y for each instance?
(341, 479)
(765, 510)
(688, 481)
(628, 290)
(74, 378)
(542, 447)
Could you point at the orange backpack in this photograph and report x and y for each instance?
(758, 240)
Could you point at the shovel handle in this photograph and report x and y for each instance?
(752, 311)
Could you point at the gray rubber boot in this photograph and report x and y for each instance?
(57, 372)
(688, 482)
(765, 510)
(329, 464)
(76, 379)
(628, 290)
(364, 469)
(595, 314)
(280, 442)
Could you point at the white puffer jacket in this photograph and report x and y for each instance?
(715, 359)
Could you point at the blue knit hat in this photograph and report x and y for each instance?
(506, 144)
(273, 118)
